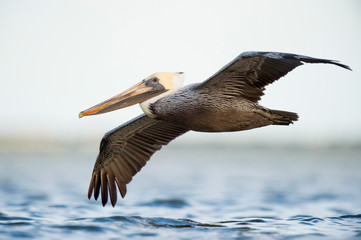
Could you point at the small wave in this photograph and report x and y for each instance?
(14, 220)
(79, 227)
(170, 203)
(299, 217)
(138, 226)
(348, 216)
(158, 222)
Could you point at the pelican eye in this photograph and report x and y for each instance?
(154, 80)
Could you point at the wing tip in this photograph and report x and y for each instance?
(91, 186)
(335, 62)
(97, 188)
(302, 58)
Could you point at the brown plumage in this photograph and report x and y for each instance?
(227, 101)
(125, 150)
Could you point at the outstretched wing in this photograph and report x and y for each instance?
(250, 72)
(125, 150)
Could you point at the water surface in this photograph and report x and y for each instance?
(187, 193)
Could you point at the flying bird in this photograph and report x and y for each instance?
(225, 102)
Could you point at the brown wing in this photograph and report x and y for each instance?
(250, 72)
(125, 150)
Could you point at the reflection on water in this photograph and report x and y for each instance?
(188, 193)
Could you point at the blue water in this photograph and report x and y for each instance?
(187, 193)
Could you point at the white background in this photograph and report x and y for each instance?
(60, 57)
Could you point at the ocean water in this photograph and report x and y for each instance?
(187, 193)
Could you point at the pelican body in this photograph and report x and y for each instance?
(225, 102)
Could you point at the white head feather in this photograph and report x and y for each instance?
(171, 82)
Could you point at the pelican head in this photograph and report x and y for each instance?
(148, 91)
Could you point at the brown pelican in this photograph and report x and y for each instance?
(227, 101)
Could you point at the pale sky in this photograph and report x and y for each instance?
(60, 57)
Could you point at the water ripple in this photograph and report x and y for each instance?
(157, 222)
(264, 201)
(357, 216)
(170, 203)
(138, 226)
(14, 220)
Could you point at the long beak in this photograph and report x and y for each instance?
(136, 94)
